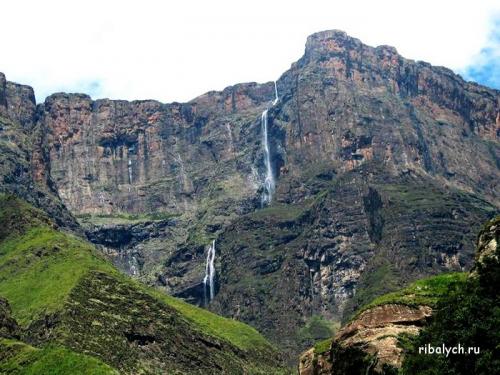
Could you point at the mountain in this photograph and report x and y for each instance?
(382, 170)
(65, 309)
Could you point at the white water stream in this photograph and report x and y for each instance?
(208, 280)
(269, 182)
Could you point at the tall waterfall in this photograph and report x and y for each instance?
(269, 182)
(208, 280)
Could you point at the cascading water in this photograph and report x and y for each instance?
(129, 174)
(133, 265)
(269, 183)
(130, 171)
(276, 97)
(208, 280)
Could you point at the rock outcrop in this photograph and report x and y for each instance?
(376, 331)
(8, 325)
(370, 341)
(488, 242)
(312, 363)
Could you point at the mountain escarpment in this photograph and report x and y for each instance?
(384, 169)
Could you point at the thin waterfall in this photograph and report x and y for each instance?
(276, 97)
(130, 171)
(133, 265)
(129, 174)
(208, 280)
(269, 182)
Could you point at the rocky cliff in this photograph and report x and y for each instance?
(22, 153)
(384, 168)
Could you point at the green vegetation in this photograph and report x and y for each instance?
(39, 269)
(351, 360)
(18, 216)
(412, 197)
(317, 328)
(237, 333)
(426, 291)
(322, 346)
(17, 358)
(279, 211)
(125, 218)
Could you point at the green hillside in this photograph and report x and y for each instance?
(62, 292)
(19, 358)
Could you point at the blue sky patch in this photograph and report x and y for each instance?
(486, 66)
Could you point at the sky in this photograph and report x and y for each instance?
(177, 50)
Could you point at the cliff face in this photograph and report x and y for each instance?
(151, 172)
(140, 157)
(24, 167)
(350, 104)
(384, 167)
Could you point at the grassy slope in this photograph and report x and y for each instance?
(40, 266)
(426, 292)
(239, 334)
(21, 359)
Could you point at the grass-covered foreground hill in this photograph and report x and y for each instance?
(65, 310)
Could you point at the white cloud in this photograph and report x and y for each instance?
(170, 51)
